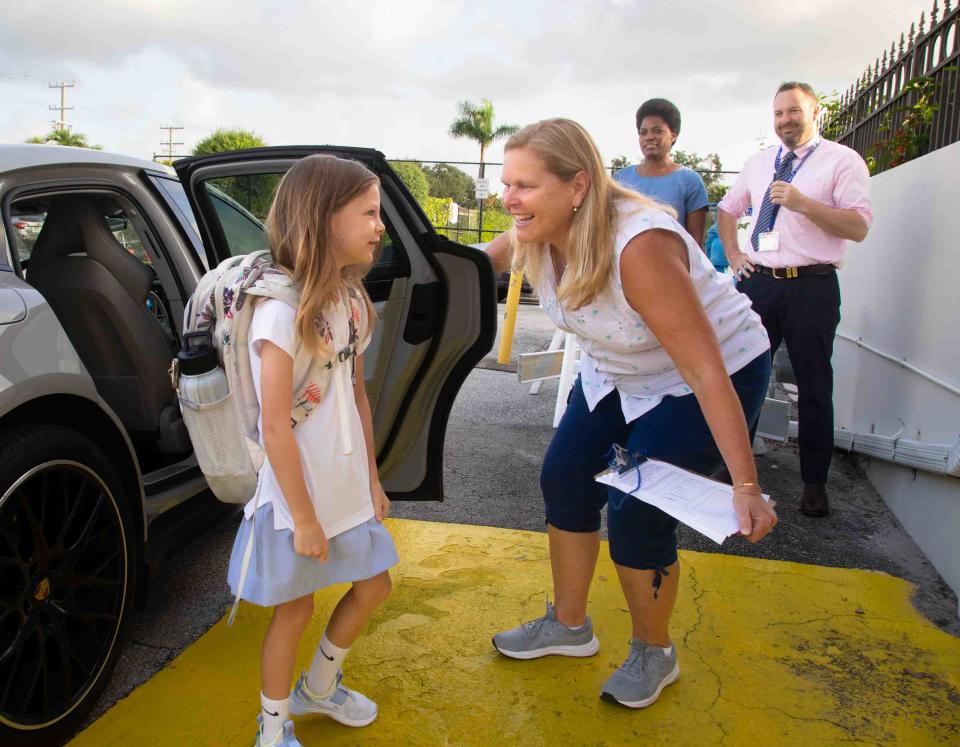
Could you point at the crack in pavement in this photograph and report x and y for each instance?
(806, 576)
(846, 729)
(855, 615)
(153, 646)
(697, 596)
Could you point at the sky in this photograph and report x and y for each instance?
(389, 75)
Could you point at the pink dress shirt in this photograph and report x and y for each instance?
(833, 174)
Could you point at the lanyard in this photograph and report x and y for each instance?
(789, 179)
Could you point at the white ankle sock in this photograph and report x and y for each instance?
(327, 661)
(275, 714)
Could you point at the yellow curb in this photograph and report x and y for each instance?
(770, 653)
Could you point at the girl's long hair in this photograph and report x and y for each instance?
(567, 149)
(301, 239)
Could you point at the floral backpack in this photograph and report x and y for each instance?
(224, 434)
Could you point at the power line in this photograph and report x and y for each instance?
(61, 123)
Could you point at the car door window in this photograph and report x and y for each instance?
(244, 231)
(25, 229)
(241, 204)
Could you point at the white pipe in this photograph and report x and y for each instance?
(940, 459)
(901, 362)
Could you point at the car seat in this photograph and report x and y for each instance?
(98, 291)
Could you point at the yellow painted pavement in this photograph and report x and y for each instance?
(770, 653)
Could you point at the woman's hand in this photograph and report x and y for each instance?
(309, 540)
(755, 515)
(381, 504)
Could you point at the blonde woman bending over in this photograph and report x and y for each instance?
(675, 366)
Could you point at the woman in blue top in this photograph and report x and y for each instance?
(658, 175)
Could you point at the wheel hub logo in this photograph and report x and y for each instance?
(42, 591)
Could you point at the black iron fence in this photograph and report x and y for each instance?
(908, 102)
(469, 225)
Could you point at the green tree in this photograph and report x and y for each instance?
(64, 136)
(476, 123)
(620, 162)
(413, 177)
(449, 181)
(222, 140)
(708, 166)
(438, 211)
(253, 191)
(831, 126)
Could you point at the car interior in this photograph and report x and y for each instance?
(84, 254)
(95, 259)
(90, 263)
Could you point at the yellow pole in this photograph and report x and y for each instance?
(510, 316)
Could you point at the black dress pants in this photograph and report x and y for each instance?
(804, 312)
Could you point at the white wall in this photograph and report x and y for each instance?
(900, 294)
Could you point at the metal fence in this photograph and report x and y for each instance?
(876, 105)
(469, 225)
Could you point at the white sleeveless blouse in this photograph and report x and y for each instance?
(620, 352)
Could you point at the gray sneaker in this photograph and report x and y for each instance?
(342, 704)
(640, 679)
(547, 635)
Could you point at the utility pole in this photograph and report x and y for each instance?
(61, 124)
(169, 142)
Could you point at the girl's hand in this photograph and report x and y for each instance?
(756, 516)
(309, 540)
(381, 504)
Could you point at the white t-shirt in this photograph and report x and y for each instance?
(619, 350)
(338, 484)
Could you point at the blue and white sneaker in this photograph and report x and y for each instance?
(284, 737)
(341, 704)
(545, 636)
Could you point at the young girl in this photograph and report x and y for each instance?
(319, 503)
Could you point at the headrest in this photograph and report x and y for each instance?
(100, 244)
(77, 224)
(59, 235)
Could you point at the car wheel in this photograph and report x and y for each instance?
(66, 579)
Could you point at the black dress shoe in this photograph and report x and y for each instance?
(814, 501)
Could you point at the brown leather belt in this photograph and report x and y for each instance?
(787, 273)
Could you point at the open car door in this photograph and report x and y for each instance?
(435, 301)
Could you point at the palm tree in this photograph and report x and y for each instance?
(476, 123)
(63, 136)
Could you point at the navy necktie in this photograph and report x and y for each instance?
(767, 211)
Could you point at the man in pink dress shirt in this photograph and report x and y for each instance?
(809, 197)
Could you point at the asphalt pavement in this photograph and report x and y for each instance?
(496, 438)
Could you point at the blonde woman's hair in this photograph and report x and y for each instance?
(301, 239)
(566, 149)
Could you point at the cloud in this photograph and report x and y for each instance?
(391, 73)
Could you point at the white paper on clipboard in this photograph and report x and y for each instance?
(699, 502)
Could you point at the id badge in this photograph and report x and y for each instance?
(769, 241)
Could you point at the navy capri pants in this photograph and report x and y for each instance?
(641, 536)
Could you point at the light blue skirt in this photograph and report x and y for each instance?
(278, 573)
